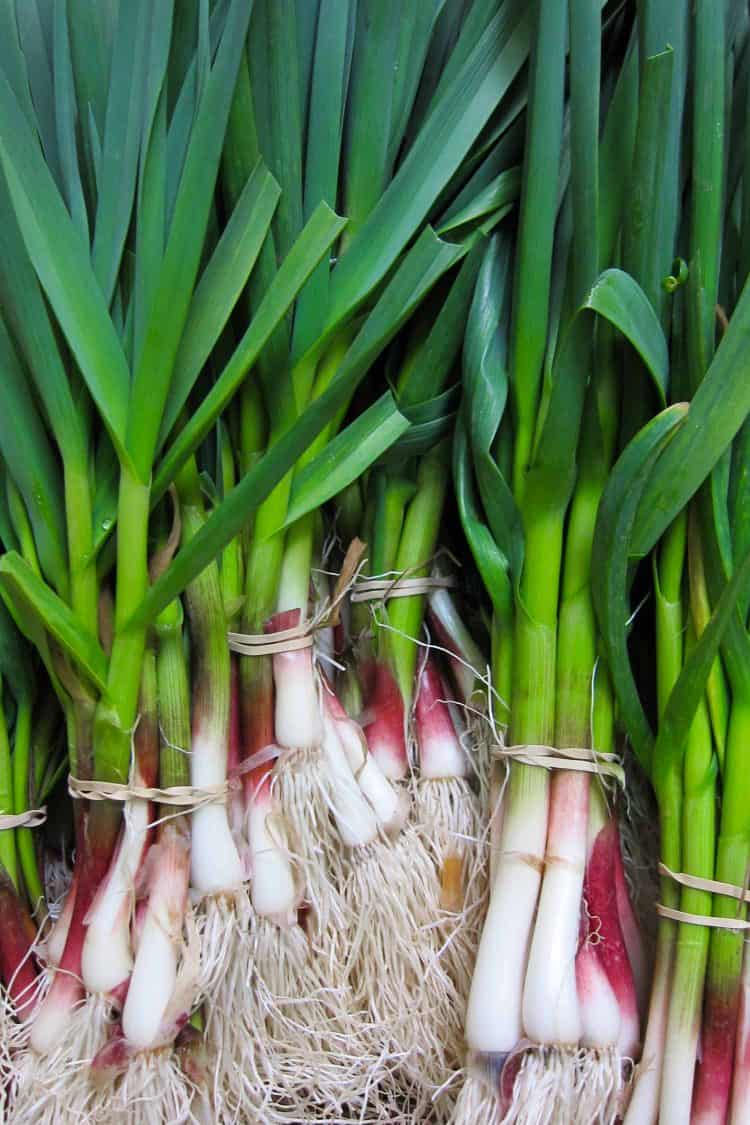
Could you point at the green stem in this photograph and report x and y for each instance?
(173, 689)
(117, 710)
(732, 853)
(419, 539)
(80, 531)
(8, 836)
(21, 799)
(208, 631)
(691, 953)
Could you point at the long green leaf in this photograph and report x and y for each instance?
(184, 245)
(448, 133)
(220, 285)
(718, 409)
(22, 585)
(121, 141)
(27, 452)
(346, 457)
(610, 564)
(28, 319)
(66, 117)
(316, 238)
(427, 261)
(61, 261)
(690, 688)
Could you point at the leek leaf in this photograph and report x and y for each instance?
(182, 255)
(442, 143)
(610, 565)
(346, 457)
(61, 261)
(316, 238)
(422, 267)
(24, 588)
(66, 118)
(220, 285)
(689, 690)
(28, 455)
(717, 410)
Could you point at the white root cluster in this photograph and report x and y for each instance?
(62, 1076)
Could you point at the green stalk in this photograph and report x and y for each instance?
(732, 857)
(21, 798)
(8, 859)
(417, 546)
(668, 572)
(717, 691)
(692, 942)
(81, 558)
(211, 677)
(117, 711)
(535, 653)
(502, 663)
(174, 698)
(231, 556)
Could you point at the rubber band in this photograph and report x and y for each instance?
(31, 818)
(186, 797)
(702, 919)
(270, 644)
(301, 636)
(189, 797)
(696, 883)
(577, 758)
(400, 586)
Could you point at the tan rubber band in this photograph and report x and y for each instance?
(730, 890)
(270, 644)
(383, 589)
(185, 796)
(702, 919)
(577, 758)
(32, 818)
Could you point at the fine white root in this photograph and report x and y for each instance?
(153, 1090)
(477, 1103)
(302, 1025)
(394, 960)
(565, 1084)
(449, 815)
(43, 1083)
(302, 786)
(221, 920)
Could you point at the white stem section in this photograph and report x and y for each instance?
(739, 1110)
(355, 819)
(54, 946)
(600, 1012)
(493, 1018)
(272, 888)
(52, 1018)
(155, 971)
(551, 1013)
(215, 861)
(472, 663)
(107, 957)
(389, 803)
(683, 1025)
(643, 1108)
(440, 751)
(297, 715)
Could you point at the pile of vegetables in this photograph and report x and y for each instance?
(374, 575)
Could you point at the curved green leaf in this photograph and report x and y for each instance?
(22, 586)
(610, 559)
